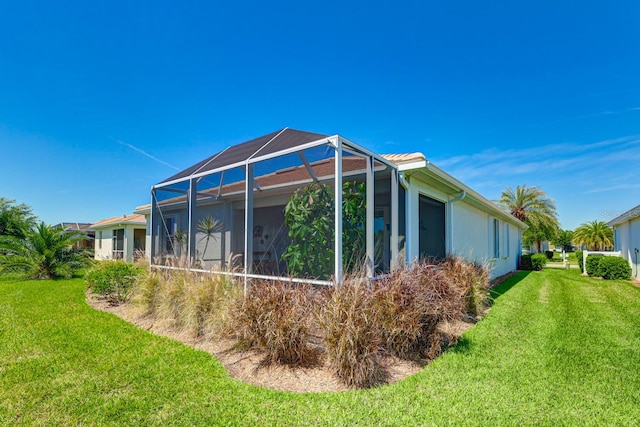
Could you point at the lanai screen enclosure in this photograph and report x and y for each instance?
(268, 208)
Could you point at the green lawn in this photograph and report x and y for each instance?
(556, 349)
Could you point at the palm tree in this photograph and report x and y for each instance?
(209, 226)
(15, 220)
(596, 235)
(532, 206)
(45, 252)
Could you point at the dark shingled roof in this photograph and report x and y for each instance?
(268, 144)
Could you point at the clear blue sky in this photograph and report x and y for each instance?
(100, 100)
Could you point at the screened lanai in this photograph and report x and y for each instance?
(291, 204)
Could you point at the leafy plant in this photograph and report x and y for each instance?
(113, 279)
(548, 254)
(525, 262)
(15, 220)
(593, 265)
(579, 256)
(45, 252)
(538, 261)
(614, 268)
(309, 215)
(564, 238)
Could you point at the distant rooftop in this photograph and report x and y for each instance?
(131, 219)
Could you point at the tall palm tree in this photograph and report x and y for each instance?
(532, 206)
(596, 235)
(45, 252)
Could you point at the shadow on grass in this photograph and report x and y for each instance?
(463, 346)
(504, 287)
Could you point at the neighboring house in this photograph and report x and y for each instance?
(84, 228)
(121, 237)
(545, 245)
(626, 237)
(413, 209)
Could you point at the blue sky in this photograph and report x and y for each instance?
(100, 100)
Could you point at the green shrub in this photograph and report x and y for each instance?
(525, 262)
(113, 279)
(548, 254)
(579, 255)
(538, 261)
(614, 268)
(274, 318)
(593, 265)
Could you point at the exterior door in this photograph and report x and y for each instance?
(432, 228)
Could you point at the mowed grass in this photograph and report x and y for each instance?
(556, 349)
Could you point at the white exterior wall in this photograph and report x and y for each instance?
(104, 246)
(472, 238)
(626, 240)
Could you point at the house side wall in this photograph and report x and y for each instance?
(104, 247)
(626, 240)
(473, 238)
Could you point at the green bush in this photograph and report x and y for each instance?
(525, 262)
(538, 261)
(113, 279)
(548, 254)
(593, 265)
(614, 268)
(579, 255)
(274, 318)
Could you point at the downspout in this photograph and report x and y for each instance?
(459, 197)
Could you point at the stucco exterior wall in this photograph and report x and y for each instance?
(626, 240)
(472, 235)
(104, 244)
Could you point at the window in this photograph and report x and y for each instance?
(118, 243)
(496, 238)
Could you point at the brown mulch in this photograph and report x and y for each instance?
(248, 366)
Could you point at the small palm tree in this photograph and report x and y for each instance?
(180, 238)
(209, 226)
(45, 252)
(596, 235)
(532, 206)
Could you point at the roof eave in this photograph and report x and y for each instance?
(455, 185)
